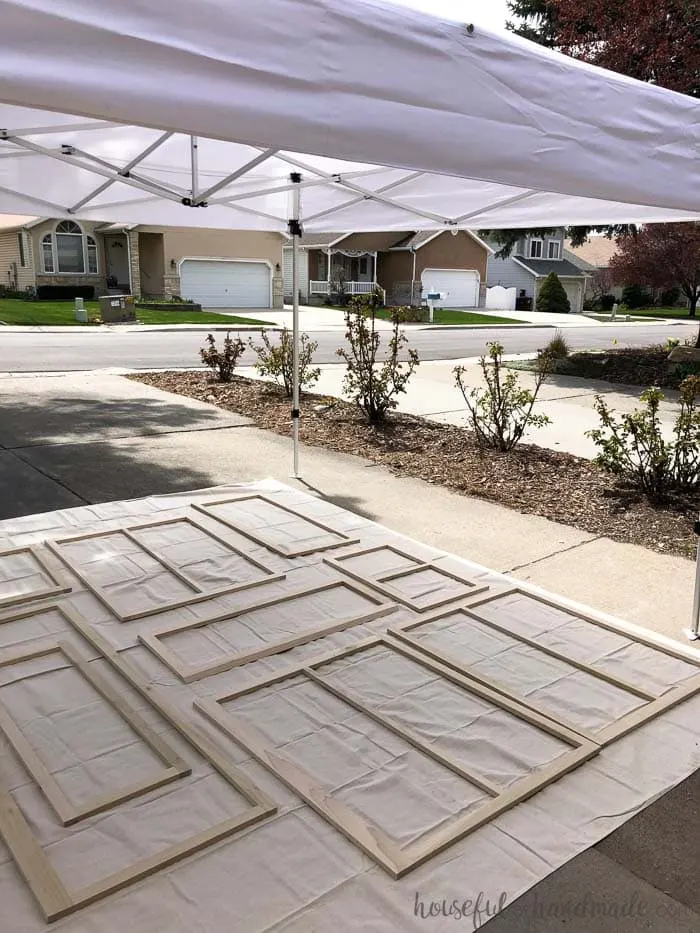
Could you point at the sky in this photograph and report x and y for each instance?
(489, 13)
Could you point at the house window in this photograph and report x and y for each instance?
(363, 266)
(553, 249)
(69, 251)
(322, 270)
(536, 249)
(20, 242)
(47, 254)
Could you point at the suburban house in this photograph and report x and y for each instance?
(218, 268)
(594, 257)
(404, 265)
(531, 261)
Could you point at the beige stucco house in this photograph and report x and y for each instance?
(217, 268)
(406, 265)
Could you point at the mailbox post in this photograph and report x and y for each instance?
(431, 298)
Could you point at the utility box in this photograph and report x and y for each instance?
(117, 309)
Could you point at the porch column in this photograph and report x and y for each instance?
(328, 269)
(374, 274)
(134, 261)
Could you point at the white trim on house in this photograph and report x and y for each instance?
(88, 241)
(527, 268)
(531, 243)
(436, 234)
(481, 242)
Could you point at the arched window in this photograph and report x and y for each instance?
(69, 250)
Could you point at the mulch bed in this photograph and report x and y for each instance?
(639, 367)
(530, 479)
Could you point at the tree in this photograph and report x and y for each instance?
(601, 283)
(661, 256)
(652, 40)
(538, 21)
(552, 296)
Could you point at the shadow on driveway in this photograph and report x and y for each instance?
(69, 449)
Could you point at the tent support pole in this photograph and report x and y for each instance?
(693, 632)
(295, 231)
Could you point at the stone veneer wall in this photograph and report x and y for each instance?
(135, 265)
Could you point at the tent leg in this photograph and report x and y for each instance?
(295, 230)
(693, 632)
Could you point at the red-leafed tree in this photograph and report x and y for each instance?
(651, 40)
(661, 255)
(657, 41)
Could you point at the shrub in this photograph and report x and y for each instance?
(277, 360)
(670, 297)
(634, 449)
(502, 412)
(374, 386)
(409, 315)
(29, 294)
(634, 296)
(222, 362)
(606, 302)
(552, 296)
(558, 347)
(65, 292)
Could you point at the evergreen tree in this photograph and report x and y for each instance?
(538, 21)
(552, 296)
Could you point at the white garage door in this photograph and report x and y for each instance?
(573, 293)
(221, 284)
(461, 286)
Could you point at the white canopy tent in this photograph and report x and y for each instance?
(243, 114)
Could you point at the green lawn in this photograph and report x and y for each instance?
(62, 313)
(450, 316)
(678, 314)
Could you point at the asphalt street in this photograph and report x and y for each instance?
(72, 350)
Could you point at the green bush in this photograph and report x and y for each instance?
(670, 297)
(409, 315)
(552, 296)
(373, 385)
(502, 412)
(606, 302)
(558, 347)
(277, 360)
(222, 362)
(634, 449)
(634, 296)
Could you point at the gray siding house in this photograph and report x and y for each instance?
(532, 259)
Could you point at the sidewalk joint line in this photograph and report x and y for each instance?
(571, 547)
(54, 479)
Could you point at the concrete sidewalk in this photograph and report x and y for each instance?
(566, 400)
(93, 437)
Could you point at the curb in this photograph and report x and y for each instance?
(130, 329)
(524, 326)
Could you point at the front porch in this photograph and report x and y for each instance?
(326, 287)
(342, 273)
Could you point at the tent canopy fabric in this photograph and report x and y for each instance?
(126, 112)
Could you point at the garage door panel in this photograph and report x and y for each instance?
(573, 293)
(224, 284)
(460, 285)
